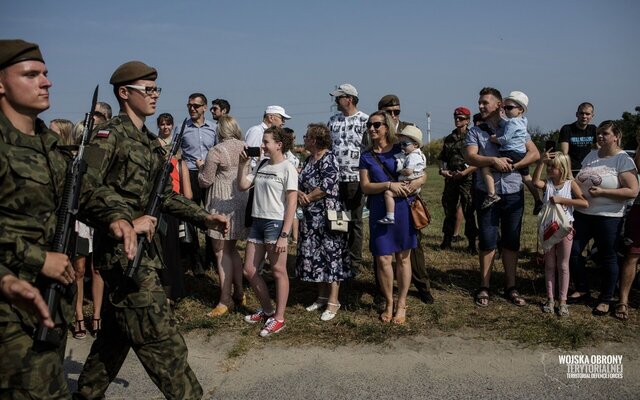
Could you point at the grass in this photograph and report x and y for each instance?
(454, 275)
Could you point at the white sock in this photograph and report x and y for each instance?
(391, 216)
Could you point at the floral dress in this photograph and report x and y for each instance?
(323, 256)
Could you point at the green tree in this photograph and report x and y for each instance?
(630, 125)
(432, 151)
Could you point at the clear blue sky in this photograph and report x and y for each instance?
(435, 55)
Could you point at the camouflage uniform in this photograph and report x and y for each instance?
(32, 173)
(123, 162)
(457, 192)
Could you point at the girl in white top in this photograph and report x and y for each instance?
(559, 188)
(274, 204)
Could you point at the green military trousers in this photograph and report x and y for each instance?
(138, 318)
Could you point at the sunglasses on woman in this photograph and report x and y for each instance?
(376, 125)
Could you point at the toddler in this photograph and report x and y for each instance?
(410, 165)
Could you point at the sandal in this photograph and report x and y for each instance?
(318, 304)
(514, 297)
(96, 326)
(400, 320)
(78, 332)
(621, 311)
(598, 312)
(479, 297)
(548, 306)
(386, 317)
(563, 310)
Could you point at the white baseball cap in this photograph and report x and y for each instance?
(277, 110)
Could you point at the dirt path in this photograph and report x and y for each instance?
(409, 368)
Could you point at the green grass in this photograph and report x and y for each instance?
(454, 275)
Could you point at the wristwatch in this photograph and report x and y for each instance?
(284, 235)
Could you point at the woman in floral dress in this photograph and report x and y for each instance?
(323, 255)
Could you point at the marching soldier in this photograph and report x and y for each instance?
(32, 173)
(457, 184)
(124, 159)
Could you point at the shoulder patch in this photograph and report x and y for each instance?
(103, 133)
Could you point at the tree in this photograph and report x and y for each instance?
(630, 126)
(432, 150)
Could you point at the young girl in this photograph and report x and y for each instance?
(274, 203)
(559, 188)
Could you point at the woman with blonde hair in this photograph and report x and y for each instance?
(64, 128)
(378, 174)
(218, 173)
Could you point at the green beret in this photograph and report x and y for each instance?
(132, 71)
(389, 100)
(14, 51)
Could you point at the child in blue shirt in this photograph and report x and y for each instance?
(512, 138)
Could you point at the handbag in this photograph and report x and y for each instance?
(553, 225)
(338, 221)
(248, 218)
(420, 215)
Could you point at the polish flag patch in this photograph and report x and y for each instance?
(104, 133)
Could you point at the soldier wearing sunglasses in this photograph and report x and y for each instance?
(419, 276)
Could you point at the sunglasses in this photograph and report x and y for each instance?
(148, 90)
(376, 125)
(406, 143)
(395, 113)
(194, 105)
(461, 118)
(509, 108)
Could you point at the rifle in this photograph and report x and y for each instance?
(155, 201)
(65, 230)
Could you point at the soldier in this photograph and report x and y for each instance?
(419, 275)
(457, 184)
(32, 172)
(123, 159)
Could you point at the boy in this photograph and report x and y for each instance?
(511, 138)
(410, 164)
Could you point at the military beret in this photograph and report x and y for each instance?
(132, 71)
(462, 111)
(389, 100)
(14, 51)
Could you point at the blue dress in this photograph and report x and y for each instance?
(387, 239)
(323, 256)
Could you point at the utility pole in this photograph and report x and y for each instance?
(428, 128)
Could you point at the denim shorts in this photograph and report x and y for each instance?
(265, 231)
(505, 215)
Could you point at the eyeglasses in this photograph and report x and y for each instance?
(376, 125)
(460, 118)
(194, 105)
(148, 90)
(509, 108)
(395, 113)
(406, 143)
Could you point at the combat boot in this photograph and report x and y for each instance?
(446, 243)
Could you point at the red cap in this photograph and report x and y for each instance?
(462, 111)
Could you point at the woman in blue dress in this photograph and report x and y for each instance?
(323, 255)
(393, 240)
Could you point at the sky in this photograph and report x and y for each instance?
(435, 55)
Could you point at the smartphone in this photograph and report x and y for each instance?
(253, 151)
(549, 145)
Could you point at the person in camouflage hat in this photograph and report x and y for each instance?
(123, 159)
(419, 275)
(457, 185)
(32, 173)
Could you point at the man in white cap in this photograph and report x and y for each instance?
(348, 128)
(273, 116)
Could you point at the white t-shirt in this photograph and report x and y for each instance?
(603, 172)
(414, 160)
(564, 191)
(270, 189)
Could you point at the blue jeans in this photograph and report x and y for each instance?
(265, 231)
(505, 215)
(605, 232)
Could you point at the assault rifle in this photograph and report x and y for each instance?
(155, 202)
(65, 231)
